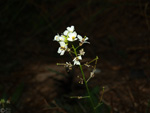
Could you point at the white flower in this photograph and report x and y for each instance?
(92, 74)
(68, 65)
(70, 29)
(76, 60)
(72, 36)
(82, 52)
(83, 40)
(56, 38)
(62, 48)
(59, 38)
(66, 32)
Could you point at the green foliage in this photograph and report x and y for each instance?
(148, 107)
(81, 105)
(11, 101)
(16, 95)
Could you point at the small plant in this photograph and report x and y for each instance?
(5, 106)
(72, 42)
(9, 102)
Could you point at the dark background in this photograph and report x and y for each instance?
(119, 33)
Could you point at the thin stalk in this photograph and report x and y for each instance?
(84, 79)
(93, 60)
(87, 88)
(80, 97)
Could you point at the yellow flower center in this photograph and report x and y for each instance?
(83, 39)
(73, 37)
(62, 48)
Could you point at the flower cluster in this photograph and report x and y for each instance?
(66, 40)
(68, 36)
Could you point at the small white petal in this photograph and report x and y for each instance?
(70, 29)
(70, 39)
(75, 34)
(86, 42)
(86, 38)
(62, 44)
(76, 62)
(62, 48)
(83, 40)
(61, 38)
(62, 52)
(79, 57)
(79, 37)
(74, 59)
(59, 50)
(81, 52)
(66, 32)
(72, 36)
(56, 38)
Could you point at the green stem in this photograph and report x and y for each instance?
(93, 60)
(80, 97)
(87, 88)
(84, 79)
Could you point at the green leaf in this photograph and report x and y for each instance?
(18, 92)
(148, 107)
